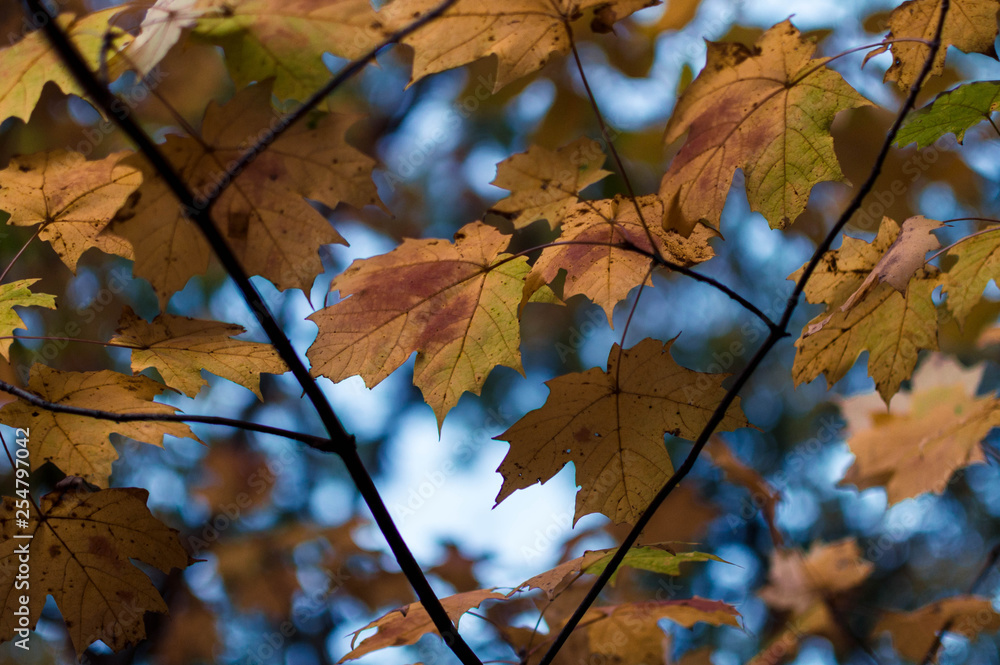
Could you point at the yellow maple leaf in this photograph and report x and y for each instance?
(456, 304)
(598, 266)
(180, 347)
(611, 426)
(79, 554)
(408, 624)
(73, 199)
(970, 25)
(286, 39)
(79, 445)
(766, 110)
(544, 183)
(891, 326)
(17, 294)
(928, 434)
(30, 63)
(263, 214)
(523, 34)
(977, 261)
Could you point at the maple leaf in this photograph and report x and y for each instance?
(73, 199)
(31, 62)
(654, 558)
(601, 262)
(796, 581)
(611, 426)
(17, 294)
(624, 634)
(544, 183)
(929, 433)
(902, 260)
(761, 492)
(263, 214)
(286, 39)
(180, 347)
(891, 326)
(523, 34)
(408, 624)
(977, 262)
(970, 25)
(79, 445)
(766, 110)
(952, 112)
(80, 552)
(913, 633)
(455, 304)
(160, 29)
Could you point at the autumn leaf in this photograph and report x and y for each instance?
(161, 28)
(766, 110)
(905, 256)
(455, 304)
(80, 550)
(761, 492)
(31, 62)
(977, 262)
(611, 426)
(627, 633)
(73, 199)
(970, 26)
(180, 347)
(544, 183)
(286, 39)
(263, 214)
(522, 34)
(913, 633)
(408, 624)
(600, 257)
(891, 326)
(77, 444)
(928, 434)
(952, 112)
(18, 294)
(654, 558)
(797, 581)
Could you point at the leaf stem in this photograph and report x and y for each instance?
(340, 442)
(772, 339)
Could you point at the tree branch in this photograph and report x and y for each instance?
(340, 442)
(772, 339)
(55, 407)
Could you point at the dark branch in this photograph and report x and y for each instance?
(32, 398)
(772, 339)
(340, 442)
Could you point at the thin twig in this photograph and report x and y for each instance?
(317, 98)
(340, 442)
(97, 414)
(772, 339)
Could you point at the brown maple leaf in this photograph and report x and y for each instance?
(263, 214)
(611, 426)
(80, 555)
(73, 199)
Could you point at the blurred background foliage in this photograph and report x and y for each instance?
(289, 565)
